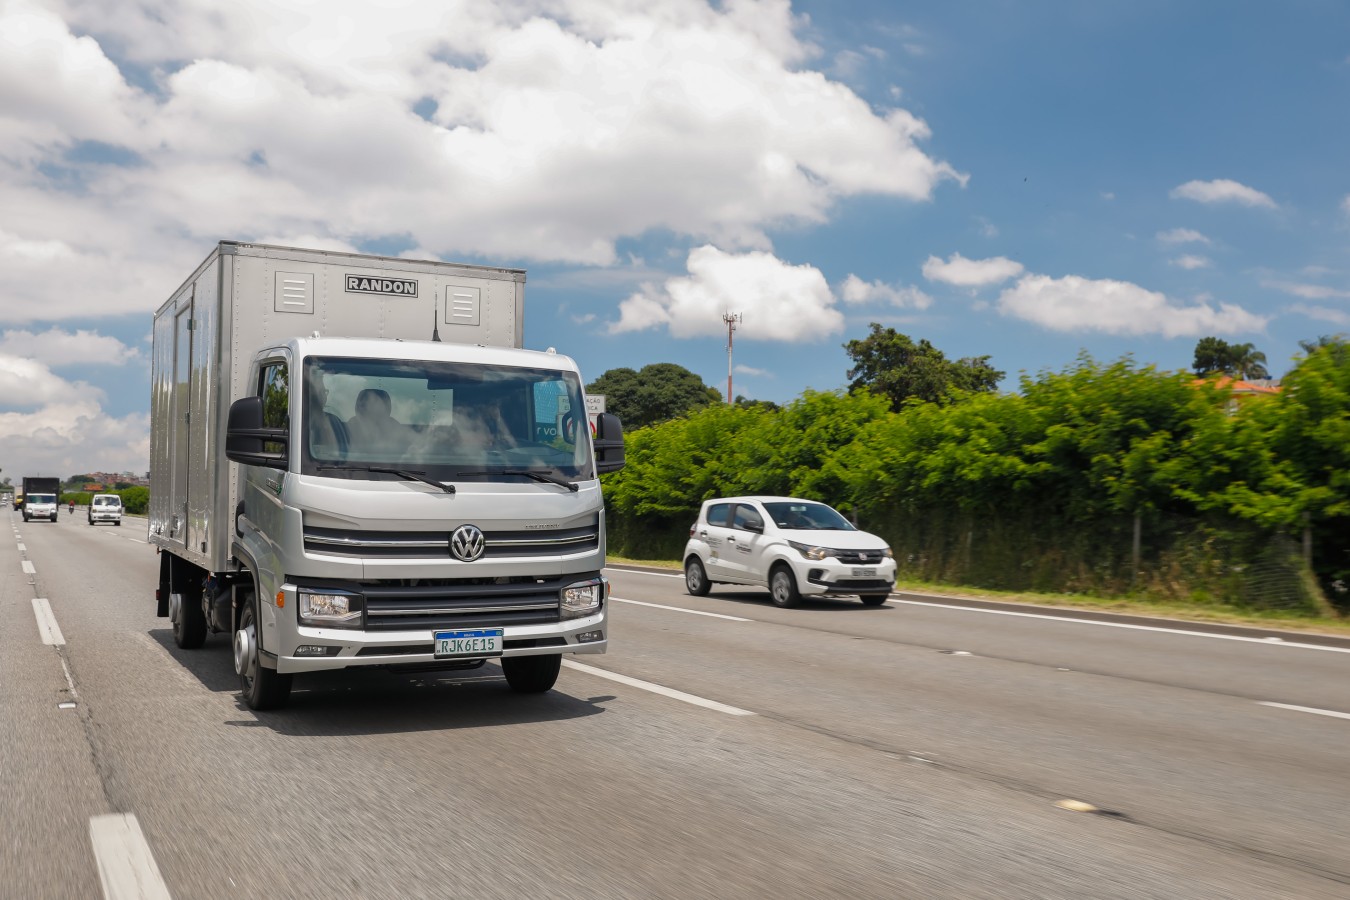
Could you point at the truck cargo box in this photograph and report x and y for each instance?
(244, 297)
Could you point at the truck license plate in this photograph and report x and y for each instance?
(864, 572)
(468, 643)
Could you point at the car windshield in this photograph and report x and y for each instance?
(797, 515)
(443, 420)
(41, 498)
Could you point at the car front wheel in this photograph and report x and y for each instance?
(874, 599)
(696, 577)
(783, 587)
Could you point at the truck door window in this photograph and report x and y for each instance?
(275, 390)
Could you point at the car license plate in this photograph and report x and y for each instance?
(468, 643)
(864, 572)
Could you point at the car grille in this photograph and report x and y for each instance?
(436, 544)
(462, 603)
(858, 557)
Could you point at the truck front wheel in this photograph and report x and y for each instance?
(531, 674)
(263, 688)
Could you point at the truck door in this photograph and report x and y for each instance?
(181, 432)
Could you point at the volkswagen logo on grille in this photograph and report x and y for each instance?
(467, 543)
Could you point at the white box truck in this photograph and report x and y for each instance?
(354, 463)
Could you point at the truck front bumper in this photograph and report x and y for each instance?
(344, 648)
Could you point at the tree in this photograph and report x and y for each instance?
(890, 363)
(656, 393)
(1214, 356)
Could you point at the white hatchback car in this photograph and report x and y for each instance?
(793, 547)
(105, 508)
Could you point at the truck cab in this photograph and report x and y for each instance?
(418, 503)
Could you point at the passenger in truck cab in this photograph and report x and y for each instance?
(327, 433)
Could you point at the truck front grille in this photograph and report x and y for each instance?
(436, 544)
(462, 603)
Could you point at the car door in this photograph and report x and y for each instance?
(715, 531)
(745, 543)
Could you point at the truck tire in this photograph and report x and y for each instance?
(189, 631)
(261, 687)
(783, 587)
(532, 674)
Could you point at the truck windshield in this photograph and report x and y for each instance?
(442, 419)
(41, 498)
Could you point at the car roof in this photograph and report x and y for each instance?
(761, 498)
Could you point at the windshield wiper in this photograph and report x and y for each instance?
(528, 473)
(409, 474)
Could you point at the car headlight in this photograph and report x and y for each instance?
(331, 610)
(809, 551)
(583, 598)
(886, 552)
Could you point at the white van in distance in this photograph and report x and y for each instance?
(105, 508)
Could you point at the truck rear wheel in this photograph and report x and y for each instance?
(262, 688)
(189, 626)
(532, 674)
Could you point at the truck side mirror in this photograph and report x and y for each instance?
(245, 436)
(608, 443)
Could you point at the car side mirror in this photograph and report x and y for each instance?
(245, 436)
(608, 443)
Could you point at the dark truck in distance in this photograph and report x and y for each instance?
(40, 496)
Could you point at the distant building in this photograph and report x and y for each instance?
(1241, 390)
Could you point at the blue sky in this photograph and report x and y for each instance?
(1024, 180)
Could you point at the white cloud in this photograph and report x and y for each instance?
(1345, 204)
(751, 370)
(1190, 261)
(854, 291)
(52, 426)
(1118, 307)
(972, 273)
(1307, 291)
(780, 301)
(1182, 236)
(1108, 195)
(559, 129)
(1222, 190)
(56, 347)
(1322, 314)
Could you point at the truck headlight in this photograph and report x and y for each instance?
(583, 598)
(331, 610)
(809, 551)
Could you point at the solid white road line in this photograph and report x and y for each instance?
(693, 612)
(1307, 709)
(28, 568)
(46, 623)
(125, 864)
(652, 574)
(658, 689)
(1183, 631)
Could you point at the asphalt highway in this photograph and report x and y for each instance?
(722, 748)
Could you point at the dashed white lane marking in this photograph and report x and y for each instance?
(1307, 709)
(28, 568)
(23, 549)
(694, 612)
(126, 867)
(1202, 634)
(659, 689)
(46, 623)
(137, 540)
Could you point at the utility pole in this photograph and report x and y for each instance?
(732, 321)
